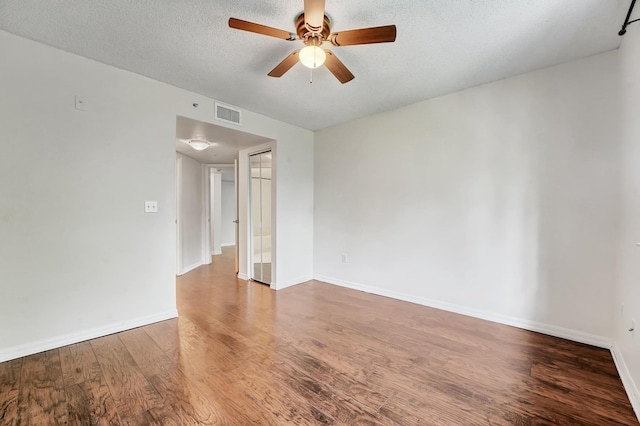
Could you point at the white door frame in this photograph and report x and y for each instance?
(206, 216)
(178, 216)
(235, 217)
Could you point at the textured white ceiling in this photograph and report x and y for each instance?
(442, 46)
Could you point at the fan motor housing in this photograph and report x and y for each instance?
(312, 38)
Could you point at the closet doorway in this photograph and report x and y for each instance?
(260, 199)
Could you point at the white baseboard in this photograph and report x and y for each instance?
(69, 339)
(227, 244)
(242, 276)
(281, 285)
(627, 380)
(190, 268)
(552, 330)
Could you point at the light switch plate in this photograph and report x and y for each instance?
(151, 207)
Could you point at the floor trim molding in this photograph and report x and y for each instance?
(627, 380)
(191, 268)
(552, 330)
(299, 280)
(69, 339)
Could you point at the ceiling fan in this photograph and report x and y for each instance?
(313, 27)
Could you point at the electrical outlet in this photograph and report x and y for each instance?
(344, 258)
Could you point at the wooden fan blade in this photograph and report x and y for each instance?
(386, 34)
(337, 68)
(285, 65)
(239, 24)
(314, 15)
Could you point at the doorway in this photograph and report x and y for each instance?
(260, 224)
(222, 216)
(229, 154)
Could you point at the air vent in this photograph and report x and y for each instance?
(227, 114)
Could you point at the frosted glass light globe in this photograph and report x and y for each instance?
(312, 56)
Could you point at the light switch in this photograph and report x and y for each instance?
(151, 207)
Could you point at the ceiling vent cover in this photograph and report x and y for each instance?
(227, 114)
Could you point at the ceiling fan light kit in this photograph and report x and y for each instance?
(313, 28)
(312, 56)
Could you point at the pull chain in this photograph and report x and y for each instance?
(311, 76)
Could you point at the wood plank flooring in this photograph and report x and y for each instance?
(242, 354)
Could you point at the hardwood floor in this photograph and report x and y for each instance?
(312, 354)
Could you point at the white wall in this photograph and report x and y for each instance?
(295, 207)
(192, 214)
(78, 256)
(228, 213)
(500, 201)
(77, 252)
(627, 345)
